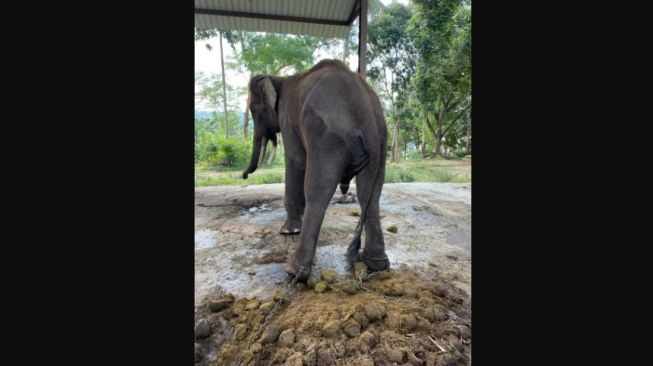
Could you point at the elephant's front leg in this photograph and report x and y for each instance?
(322, 178)
(294, 197)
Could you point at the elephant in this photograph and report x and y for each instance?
(333, 130)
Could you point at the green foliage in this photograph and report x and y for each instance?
(213, 148)
(460, 153)
(270, 54)
(395, 174)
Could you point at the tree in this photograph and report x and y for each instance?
(392, 61)
(212, 92)
(206, 34)
(441, 32)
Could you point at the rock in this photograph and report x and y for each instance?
(393, 229)
(240, 332)
(325, 356)
(320, 287)
(294, 360)
(331, 329)
(252, 305)
(312, 280)
(198, 352)
(202, 329)
(287, 338)
(396, 355)
(374, 311)
(413, 360)
(350, 287)
(329, 275)
(351, 328)
(266, 307)
(270, 334)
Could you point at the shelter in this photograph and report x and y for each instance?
(322, 18)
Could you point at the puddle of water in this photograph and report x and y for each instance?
(205, 238)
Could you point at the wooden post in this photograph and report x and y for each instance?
(362, 39)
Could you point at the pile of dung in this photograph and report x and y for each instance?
(399, 317)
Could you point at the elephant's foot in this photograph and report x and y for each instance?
(375, 264)
(291, 227)
(292, 268)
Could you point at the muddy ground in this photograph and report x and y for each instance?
(418, 313)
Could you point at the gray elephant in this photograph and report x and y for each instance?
(333, 130)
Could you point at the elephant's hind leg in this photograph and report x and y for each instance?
(373, 254)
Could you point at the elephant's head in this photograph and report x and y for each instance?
(262, 102)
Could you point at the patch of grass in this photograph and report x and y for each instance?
(233, 179)
(395, 174)
(425, 170)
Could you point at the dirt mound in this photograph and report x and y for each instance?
(399, 317)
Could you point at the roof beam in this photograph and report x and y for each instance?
(240, 14)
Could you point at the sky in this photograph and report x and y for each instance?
(209, 61)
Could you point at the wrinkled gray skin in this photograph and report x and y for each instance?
(333, 129)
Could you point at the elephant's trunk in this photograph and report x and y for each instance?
(258, 152)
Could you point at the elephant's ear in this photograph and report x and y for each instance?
(269, 93)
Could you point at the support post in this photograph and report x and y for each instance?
(362, 39)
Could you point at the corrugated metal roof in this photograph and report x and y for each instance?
(333, 11)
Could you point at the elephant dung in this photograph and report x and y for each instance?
(393, 229)
(266, 307)
(221, 304)
(270, 334)
(351, 328)
(240, 332)
(331, 329)
(320, 287)
(252, 305)
(278, 295)
(312, 280)
(329, 275)
(350, 287)
(359, 267)
(287, 338)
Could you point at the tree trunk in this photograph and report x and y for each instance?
(422, 146)
(245, 121)
(224, 91)
(468, 145)
(395, 141)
